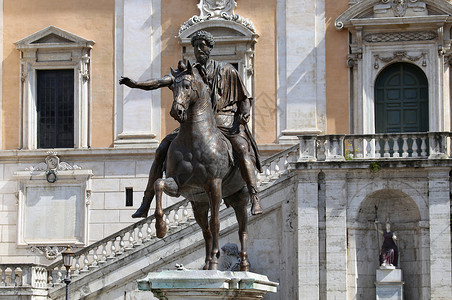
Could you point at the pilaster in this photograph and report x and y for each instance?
(301, 60)
(308, 235)
(138, 43)
(439, 216)
(336, 234)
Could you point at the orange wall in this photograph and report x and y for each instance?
(93, 20)
(264, 19)
(176, 12)
(337, 72)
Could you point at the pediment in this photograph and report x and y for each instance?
(53, 37)
(387, 12)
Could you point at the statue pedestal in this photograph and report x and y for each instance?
(389, 284)
(197, 285)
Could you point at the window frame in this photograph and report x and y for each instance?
(54, 49)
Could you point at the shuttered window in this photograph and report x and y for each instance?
(55, 108)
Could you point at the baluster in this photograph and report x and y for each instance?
(377, 148)
(104, 253)
(121, 244)
(423, 147)
(148, 231)
(415, 147)
(77, 266)
(130, 241)
(405, 146)
(95, 259)
(154, 233)
(112, 249)
(176, 219)
(140, 238)
(184, 216)
(3, 278)
(276, 174)
(167, 220)
(396, 147)
(367, 148)
(85, 264)
(386, 148)
(13, 277)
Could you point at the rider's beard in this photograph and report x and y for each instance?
(202, 59)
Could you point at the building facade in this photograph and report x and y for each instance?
(352, 112)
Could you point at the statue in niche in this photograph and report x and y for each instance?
(389, 253)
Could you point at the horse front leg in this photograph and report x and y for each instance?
(170, 187)
(213, 190)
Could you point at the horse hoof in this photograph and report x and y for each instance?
(206, 266)
(161, 229)
(213, 265)
(245, 268)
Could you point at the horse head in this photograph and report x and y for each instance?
(188, 86)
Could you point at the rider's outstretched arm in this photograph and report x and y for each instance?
(150, 84)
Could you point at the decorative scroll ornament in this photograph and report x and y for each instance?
(400, 55)
(217, 9)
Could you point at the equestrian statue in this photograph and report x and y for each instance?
(212, 156)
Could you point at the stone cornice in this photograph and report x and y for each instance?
(364, 8)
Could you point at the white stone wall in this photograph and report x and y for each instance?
(113, 172)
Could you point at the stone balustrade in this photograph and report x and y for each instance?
(23, 275)
(335, 147)
(100, 253)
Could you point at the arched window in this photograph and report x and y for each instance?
(401, 99)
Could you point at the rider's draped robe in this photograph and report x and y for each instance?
(227, 91)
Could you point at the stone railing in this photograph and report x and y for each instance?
(276, 166)
(23, 275)
(113, 246)
(431, 145)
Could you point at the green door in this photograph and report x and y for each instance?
(401, 99)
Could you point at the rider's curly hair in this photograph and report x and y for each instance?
(203, 35)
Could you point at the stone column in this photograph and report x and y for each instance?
(336, 234)
(138, 35)
(308, 235)
(439, 217)
(301, 67)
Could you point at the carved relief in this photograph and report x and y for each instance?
(217, 9)
(50, 252)
(214, 8)
(52, 162)
(400, 55)
(400, 8)
(383, 37)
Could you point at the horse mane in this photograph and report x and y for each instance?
(189, 69)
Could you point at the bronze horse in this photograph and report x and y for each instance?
(199, 165)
